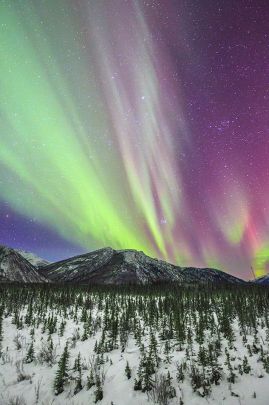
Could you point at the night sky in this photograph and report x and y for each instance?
(136, 124)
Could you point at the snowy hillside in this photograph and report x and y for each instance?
(32, 258)
(133, 347)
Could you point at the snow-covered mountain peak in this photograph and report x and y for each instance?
(15, 268)
(32, 258)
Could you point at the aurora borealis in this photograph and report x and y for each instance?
(136, 124)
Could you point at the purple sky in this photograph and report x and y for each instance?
(204, 68)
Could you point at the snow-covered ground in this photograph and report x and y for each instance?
(32, 383)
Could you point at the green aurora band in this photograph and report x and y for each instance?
(88, 135)
(59, 172)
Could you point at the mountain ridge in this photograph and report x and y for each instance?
(263, 280)
(105, 266)
(35, 260)
(129, 266)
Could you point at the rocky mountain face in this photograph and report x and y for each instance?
(15, 268)
(32, 258)
(104, 266)
(109, 266)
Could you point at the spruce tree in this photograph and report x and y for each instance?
(231, 377)
(85, 333)
(265, 362)
(137, 384)
(1, 327)
(147, 371)
(128, 371)
(78, 386)
(171, 392)
(62, 327)
(30, 354)
(167, 353)
(62, 372)
(180, 373)
(99, 390)
(196, 378)
(215, 374)
(246, 366)
(90, 380)
(1, 331)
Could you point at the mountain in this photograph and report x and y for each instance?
(15, 268)
(32, 258)
(264, 280)
(109, 266)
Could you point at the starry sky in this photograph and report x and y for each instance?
(136, 124)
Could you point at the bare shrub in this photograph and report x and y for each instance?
(161, 391)
(47, 354)
(16, 401)
(98, 370)
(94, 364)
(21, 376)
(84, 364)
(102, 375)
(5, 357)
(37, 390)
(18, 340)
(75, 334)
(75, 337)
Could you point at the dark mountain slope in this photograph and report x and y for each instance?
(109, 266)
(15, 268)
(264, 280)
